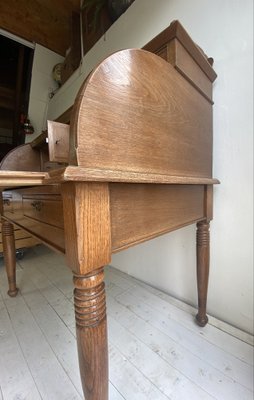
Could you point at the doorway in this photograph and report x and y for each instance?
(16, 61)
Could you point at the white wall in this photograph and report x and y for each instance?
(42, 84)
(224, 30)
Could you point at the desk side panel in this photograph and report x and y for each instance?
(23, 158)
(136, 113)
(140, 212)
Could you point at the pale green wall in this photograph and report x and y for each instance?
(42, 84)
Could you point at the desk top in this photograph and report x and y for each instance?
(21, 178)
(10, 179)
(136, 119)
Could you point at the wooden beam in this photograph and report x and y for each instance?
(45, 22)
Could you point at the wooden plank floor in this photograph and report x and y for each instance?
(156, 350)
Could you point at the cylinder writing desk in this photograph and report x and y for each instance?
(135, 163)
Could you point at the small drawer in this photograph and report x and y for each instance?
(179, 57)
(58, 142)
(44, 208)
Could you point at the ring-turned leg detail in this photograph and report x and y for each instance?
(203, 258)
(9, 251)
(91, 327)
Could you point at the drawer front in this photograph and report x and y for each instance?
(44, 208)
(58, 141)
(187, 66)
(176, 55)
(39, 211)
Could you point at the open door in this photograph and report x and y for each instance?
(15, 78)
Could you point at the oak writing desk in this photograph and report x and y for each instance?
(137, 163)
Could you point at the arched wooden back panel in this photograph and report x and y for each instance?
(22, 158)
(135, 112)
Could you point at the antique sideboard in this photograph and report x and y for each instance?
(135, 163)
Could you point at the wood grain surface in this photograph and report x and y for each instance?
(72, 173)
(43, 220)
(203, 263)
(58, 142)
(142, 212)
(42, 21)
(87, 225)
(22, 158)
(160, 123)
(8, 241)
(21, 178)
(91, 330)
(176, 30)
(140, 165)
(186, 65)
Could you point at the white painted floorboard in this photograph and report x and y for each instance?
(156, 350)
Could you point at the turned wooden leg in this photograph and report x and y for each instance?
(203, 255)
(88, 246)
(91, 327)
(9, 256)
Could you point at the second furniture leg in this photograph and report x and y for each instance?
(9, 256)
(91, 328)
(203, 259)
